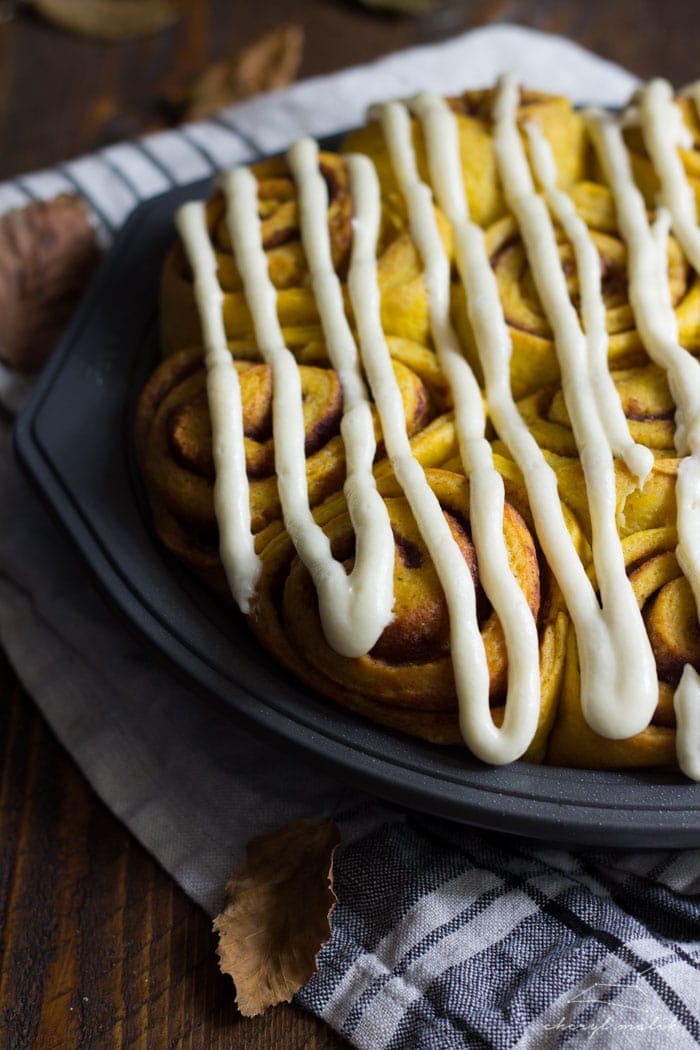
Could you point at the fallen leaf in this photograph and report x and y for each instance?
(109, 19)
(47, 254)
(277, 913)
(270, 62)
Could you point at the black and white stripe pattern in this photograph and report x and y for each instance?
(117, 178)
(444, 937)
(486, 942)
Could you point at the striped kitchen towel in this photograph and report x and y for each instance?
(485, 942)
(443, 937)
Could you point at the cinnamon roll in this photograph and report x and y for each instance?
(669, 611)
(430, 411)
(403, 296)
(406, 680)
(643, 167)
(534, 359)
(562, 124)
(174, 445)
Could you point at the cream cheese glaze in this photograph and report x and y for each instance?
(486, 497)
(656, 323)
(618, 677)
(663, 131)
(638, 458)
(619, 689)
(601, 665)
(355, 607)
(231, 503)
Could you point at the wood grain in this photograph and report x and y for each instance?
(99, 947)
(62, 95)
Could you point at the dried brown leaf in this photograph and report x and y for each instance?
(277, 912)
(270, 62)
(47, 254)
(109, 19)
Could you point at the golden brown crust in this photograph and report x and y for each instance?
(664, 595)
(534, 360)
(406, 682)
(644, 173)
(173, 441)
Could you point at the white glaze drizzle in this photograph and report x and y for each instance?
(686, 704)
(688, 477)
(231, 500)
(663, 131)
(619, 689)
(346, 608)
(654, 316)
(656, 323)
(469, 661)
(638, 458)
(371, 581)
(489, 742)
(494, 347)
(352, 608)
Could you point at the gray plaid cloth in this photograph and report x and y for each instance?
(443, 937)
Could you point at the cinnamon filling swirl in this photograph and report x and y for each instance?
(484, 292)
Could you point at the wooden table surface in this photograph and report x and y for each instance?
(99, 947)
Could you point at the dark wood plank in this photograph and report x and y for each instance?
(61, 95)
(99, 947)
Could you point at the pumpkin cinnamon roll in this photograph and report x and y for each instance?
(403, 294)
(174, 445)
(688, 150)
(499, 230)
(649, 412)
(646, 403)
(534, 359)
(669, 612)
(406, 681)
(278, 213)
(562, 125)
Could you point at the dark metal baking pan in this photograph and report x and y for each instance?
(74, 440)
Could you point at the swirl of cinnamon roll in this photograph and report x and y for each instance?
(174, 445)
(646, 402)
(642, 167)
(406, 681)
(279, 219)
(561, 124)
(649, 411)
(669, 612)
(403, 296)
(534, 360)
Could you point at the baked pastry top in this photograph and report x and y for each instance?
(429, 409)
